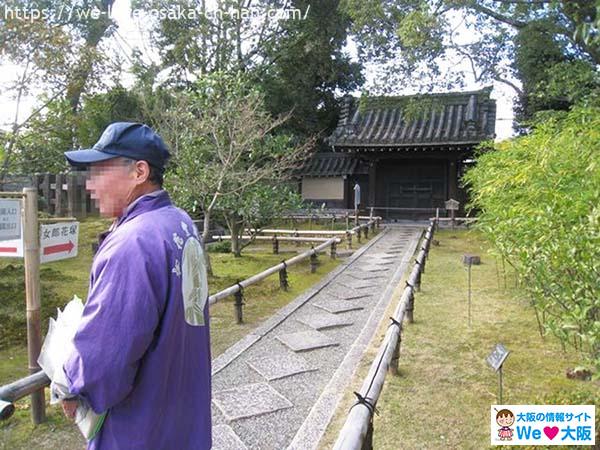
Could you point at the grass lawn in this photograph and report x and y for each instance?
(441, 399)
(61, 279)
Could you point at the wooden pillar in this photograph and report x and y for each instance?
(452, 179)
(83, 198)
(71, 192)
(58, 195)
(46, 192)
(372, 182)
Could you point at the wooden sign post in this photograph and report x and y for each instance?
(495, 360)
(27, 246)
(31, 246)
(452, 206)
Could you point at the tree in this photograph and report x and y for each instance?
(298, 60)
(309, 68)
(414, 39)
(228, 158)
(55, 45)
(552, 78)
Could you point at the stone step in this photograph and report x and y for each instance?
(249, 400)
(304, 341)
(275, 367)
(345, 294)
(367, 276)
(357, 284)
(224, 438)
(335, 306)
(324, 321)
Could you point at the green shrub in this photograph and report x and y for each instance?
(539, 198)
(219, 247)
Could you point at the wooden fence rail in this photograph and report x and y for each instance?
(357, 432)
(12, 392)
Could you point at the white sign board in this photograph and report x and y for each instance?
(356, 195)
(10, 219)
(11, 249)
(58, 241)
(497, 357)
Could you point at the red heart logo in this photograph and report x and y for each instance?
(551, 432)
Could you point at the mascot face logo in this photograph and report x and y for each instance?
(194, 282)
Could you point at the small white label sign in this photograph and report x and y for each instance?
(10, 219)
(58, 241)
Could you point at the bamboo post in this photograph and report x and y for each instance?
(395, 360)
(355, 217)
(410, 307)
(275, 245)
(395, 363)
(313, 261)
(348, 240)
(333, 253)
(347, 221)
(31, 245)
(368, 443)
(366, 231)
(283, 278)
(358, 235)
(239, 303)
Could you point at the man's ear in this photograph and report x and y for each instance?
(142, 171)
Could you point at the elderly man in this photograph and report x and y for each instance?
(141, 355)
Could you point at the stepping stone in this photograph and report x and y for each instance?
(249, 401)
(346, 294)
(385, 256)
(366, 276)
(306, 340)
(323, 321)
(374, 268)
(386, 262)
(224, 438)
(356, 284)
(280, 366)
(380, 262)
(339, 306)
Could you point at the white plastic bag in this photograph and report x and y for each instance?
(55, 350)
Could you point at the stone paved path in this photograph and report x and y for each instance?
(278, 387)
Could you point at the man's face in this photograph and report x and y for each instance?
(111, 185)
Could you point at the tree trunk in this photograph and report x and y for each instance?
(235, 229)
(205, 235)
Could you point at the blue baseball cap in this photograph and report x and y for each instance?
(125, 139)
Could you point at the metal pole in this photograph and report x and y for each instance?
(500, 383)
(31, 246)
(469, 307)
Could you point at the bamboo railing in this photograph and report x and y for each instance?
(357, 432)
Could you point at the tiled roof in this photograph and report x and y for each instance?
(415, 121)
(332, 165)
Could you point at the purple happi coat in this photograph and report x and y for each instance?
(142, 351)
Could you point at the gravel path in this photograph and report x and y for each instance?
(278, 387)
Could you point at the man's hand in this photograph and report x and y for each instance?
(69, 407)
